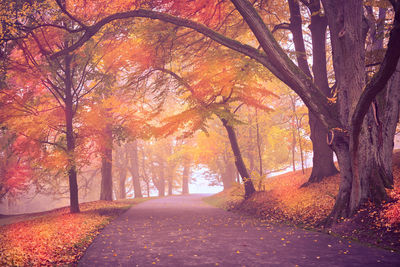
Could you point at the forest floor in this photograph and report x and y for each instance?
(55, 237)
(284, 201)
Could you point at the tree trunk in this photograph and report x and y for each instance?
(241, 167)
(363, 174)
(386, 110)
(300, 146)
(121, 184)
(145, 178)
(293, 146)
(250, 145)
(169, 186)
(185, 177)
(121, 165)
(259, 143)
(323, 165)
(69, 114)
(106, 191)
(134, 168)
(228, 176)
(170, 172)
(160, 182)
(345, 19)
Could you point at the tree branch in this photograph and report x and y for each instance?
(274, 58)
(282, 26)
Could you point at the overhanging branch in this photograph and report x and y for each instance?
(274, 58)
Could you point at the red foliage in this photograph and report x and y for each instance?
(208, 12)
(56, 238)
(391, 210)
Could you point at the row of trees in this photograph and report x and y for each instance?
(225, 56)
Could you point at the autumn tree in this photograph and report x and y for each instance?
(363, 176)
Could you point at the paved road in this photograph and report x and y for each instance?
(185, 231)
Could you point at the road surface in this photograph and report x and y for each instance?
(185, 231)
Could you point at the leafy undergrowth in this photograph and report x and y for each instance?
(284, 201)
(377, 224)
(58, 237)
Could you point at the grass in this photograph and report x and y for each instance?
(57, 237)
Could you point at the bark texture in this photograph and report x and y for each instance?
(323, 165)
(364, 175)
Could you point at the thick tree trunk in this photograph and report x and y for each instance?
(363, 174)
(387, 113)
(185, 177)
(134, 168)
(69, 114)
(241, 167)
(106, 190)
(386, 105)
(323, 165)
(345, 19)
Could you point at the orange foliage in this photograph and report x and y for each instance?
(89, 11)
(391, 211)
(57, 238)
(285, 200)
(126, 53)
(209, 12)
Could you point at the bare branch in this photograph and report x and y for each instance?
(282, 26)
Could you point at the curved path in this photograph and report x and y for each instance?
(185, 231)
